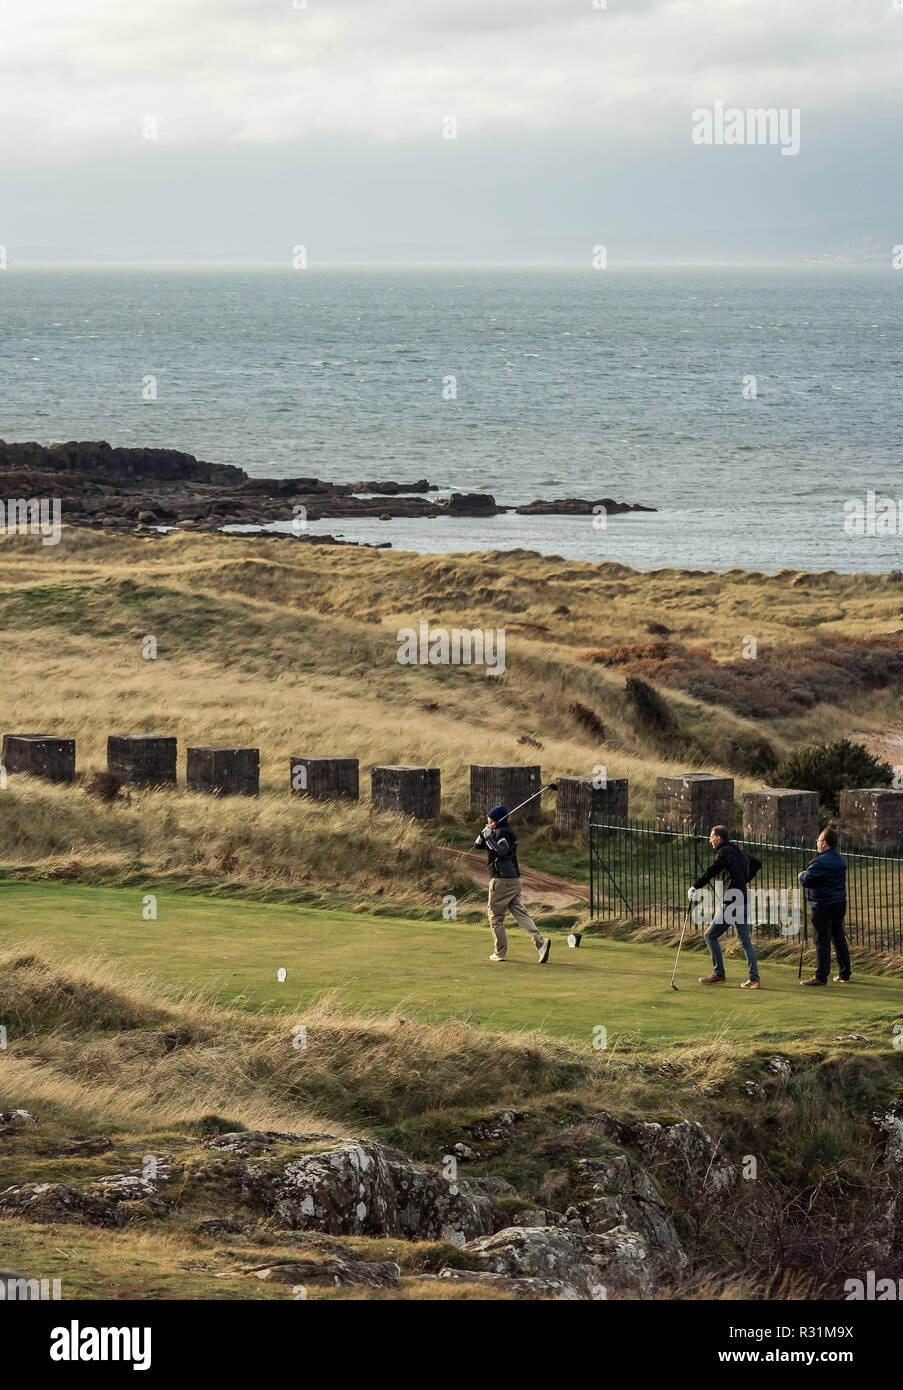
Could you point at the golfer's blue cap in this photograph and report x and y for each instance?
(498, 813)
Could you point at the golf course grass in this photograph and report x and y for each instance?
(233, 949)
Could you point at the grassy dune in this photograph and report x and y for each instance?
(293, 649)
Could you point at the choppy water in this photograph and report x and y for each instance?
(614, 383)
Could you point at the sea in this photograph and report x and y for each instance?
(758, 410)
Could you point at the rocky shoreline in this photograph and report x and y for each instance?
(144, 489)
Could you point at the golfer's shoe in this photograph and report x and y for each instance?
(751, 984)
(544, 950)
(495, 956)
(814, 981)
(712, 979)
(842, 980)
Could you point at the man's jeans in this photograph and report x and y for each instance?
(827, 922)
(718, 928)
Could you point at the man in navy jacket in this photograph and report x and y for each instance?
(500, 843)
(825, 882)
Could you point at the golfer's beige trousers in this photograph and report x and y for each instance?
(505, 896)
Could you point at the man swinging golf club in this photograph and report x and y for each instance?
(500, 843)
(735, 869)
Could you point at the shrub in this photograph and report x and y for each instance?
(828, 768)
(751, 754)
(589, 720)
(650, 708)
(104, 785)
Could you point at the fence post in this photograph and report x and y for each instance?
(592, 869)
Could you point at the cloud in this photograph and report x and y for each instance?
(260, 72)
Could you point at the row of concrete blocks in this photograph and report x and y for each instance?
(867, 815)
(147, 760)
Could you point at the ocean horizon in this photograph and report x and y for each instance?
(755, 408)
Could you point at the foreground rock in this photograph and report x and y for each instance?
(328, 1269)
(564, 1263)
(362, 1188)
(57, 1201)
(618, 1195)
(890, 1124)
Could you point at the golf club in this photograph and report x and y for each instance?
(549, 787)
(799, 973)
(679, 944)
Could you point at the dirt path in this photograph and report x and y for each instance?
(537, 887)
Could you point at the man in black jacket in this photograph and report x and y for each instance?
(825, 882)
(735, 869)
(500, 843)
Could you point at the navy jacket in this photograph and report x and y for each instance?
(501, 849)
(825, 880)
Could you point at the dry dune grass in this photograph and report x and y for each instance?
(266, 842)
(292, 649)
(108, 1047)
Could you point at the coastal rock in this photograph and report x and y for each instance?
(532, 1219)
(525, 1288)
(134, 1186)
(84, 1146)
(890, 1123)
(569, 1265)
(329, 1269)
(57, 1201)
(362, 1188)
(390, 489)
(252, 1141)
(13, 1120)
(617, 1194)
(689, 1156)
(471, 504)
(578, 506)
(135, 488)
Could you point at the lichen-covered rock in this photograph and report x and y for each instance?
(616, 1193)
(533, 1218)
(525, 1288)
(84, 1146)
(567, 1264)
(255, 1141)
(890, 1123)
(329, 1269)
(134, 1186)
(688, 1154)
(362, 1188)
(13, 1120)
(495, 1129)
(780, 1066)
(57, 1201)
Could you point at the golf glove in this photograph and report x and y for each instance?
(693, 894)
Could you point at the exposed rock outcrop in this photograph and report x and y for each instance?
(128, 488)
(362, 1188)
(565, 1263)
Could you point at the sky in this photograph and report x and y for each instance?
(235, 130)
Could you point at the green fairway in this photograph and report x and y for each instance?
(435, 970)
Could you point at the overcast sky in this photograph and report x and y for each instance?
(324, 126)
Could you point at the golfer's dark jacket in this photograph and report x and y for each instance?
(736, 869)
(501, 849)
(825, 880)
